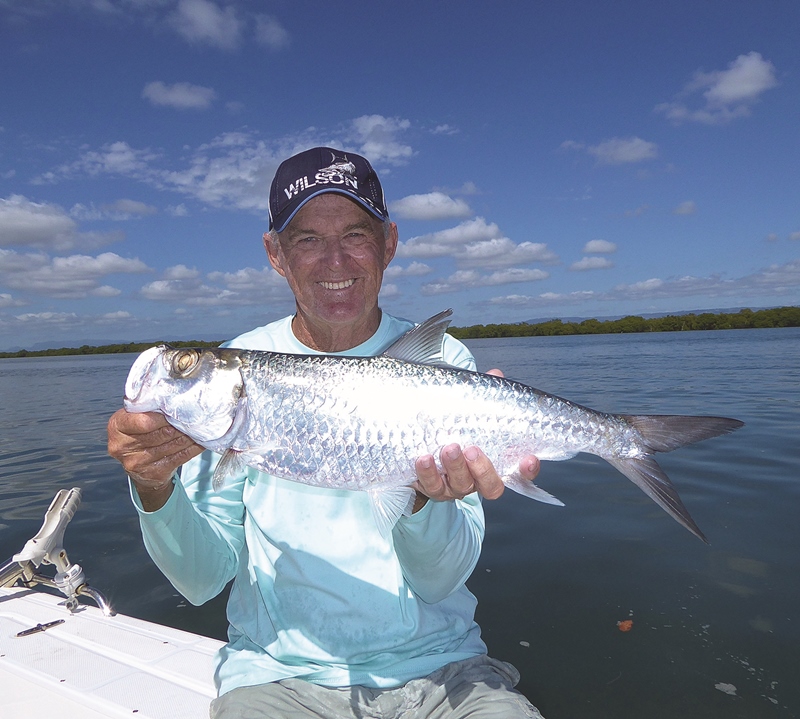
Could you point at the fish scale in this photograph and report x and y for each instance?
(359, 423)
(342, 423)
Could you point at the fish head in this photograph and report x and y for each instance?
(199, 391)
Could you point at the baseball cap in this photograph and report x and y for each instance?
(319, 170)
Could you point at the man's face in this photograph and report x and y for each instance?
(333, 254)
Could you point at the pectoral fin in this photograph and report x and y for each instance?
(229, 464)
(527, 488)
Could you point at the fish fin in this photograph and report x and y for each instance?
(229, 464)
(388, 505)
(422, 344)
(651, 479)
(663, 433)
(522, 486)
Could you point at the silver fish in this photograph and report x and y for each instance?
(359, 423)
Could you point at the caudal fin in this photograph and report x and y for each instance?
(651, 479)
(663, 433)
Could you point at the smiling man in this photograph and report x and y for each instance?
(328, 617)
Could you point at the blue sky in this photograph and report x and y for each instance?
(570, 159)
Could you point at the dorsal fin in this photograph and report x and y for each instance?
(422, 344)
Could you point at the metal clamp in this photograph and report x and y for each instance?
(47, 547)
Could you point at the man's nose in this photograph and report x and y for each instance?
(335, 250)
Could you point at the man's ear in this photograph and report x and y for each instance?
(391, 245)
(274, 254)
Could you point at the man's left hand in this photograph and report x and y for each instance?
(465, 471)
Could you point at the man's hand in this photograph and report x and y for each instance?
(465, 472)
(150, 450)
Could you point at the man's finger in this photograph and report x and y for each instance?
(458, 476)
(429, 481)
(529, 467)
(484, 476)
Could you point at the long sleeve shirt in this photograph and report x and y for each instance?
(318, 592)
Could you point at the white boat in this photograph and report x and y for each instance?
(60, 657)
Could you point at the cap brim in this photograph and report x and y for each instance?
(280, 225)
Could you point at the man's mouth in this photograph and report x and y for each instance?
(343, 285)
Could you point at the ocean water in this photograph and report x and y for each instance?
(716, 629)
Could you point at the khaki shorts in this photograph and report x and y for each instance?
(478, 688)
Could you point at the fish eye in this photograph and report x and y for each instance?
(185, 361)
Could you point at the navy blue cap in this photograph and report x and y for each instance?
(323, 169)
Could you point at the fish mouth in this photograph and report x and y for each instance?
(340, 285)
(137, 379)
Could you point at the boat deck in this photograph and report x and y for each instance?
(96, 666)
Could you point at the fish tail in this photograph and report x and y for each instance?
(645, 473)
(665, 432)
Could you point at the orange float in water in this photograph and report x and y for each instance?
(625, 625)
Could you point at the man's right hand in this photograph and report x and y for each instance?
(150, 449)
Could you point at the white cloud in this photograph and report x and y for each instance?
(31, 223)
(468, 279)
(377, 138)
(248, 286)
(232, 170)
(122, 209)
(623, 150)
(503, 252)
(572, 145)
(6, 300)
(115, 158)
(205, 23)
(794, 236)
(415, 269)
(543, 300)
(476, 243)
(773, 281)
(180, 95)
(181, 272)
(638, 212)
(177, 210)
(72, 277)
(235, 169)
(727, 94)
(685, 208)
(514, 274)
(252, 281)
(442, 243)
(389, 290)
(45, 226)
(431, 206)
(187, 291)
(591, 263)
(271, 34)
(600, 247)
(48, 318)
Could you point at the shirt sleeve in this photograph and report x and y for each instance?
(439, 546)
(196, 538)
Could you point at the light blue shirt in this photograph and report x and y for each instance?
(318, 592)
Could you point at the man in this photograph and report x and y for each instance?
(328, 617)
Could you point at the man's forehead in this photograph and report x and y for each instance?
(329, 208)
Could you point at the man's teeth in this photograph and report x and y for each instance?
(337, 285)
